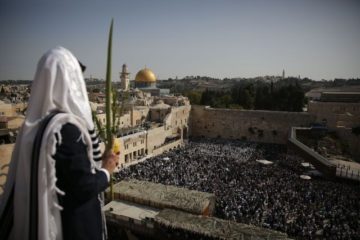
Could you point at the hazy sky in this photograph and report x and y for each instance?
(223, 38)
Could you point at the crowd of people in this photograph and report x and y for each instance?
(271, 196)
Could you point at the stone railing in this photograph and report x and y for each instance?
(320, 162)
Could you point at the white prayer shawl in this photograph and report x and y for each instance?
(58, 85)
(49, 226)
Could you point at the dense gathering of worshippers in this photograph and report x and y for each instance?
(248, 191)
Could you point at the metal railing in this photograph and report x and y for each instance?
(345, 171)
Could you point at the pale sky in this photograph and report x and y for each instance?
(319, 39)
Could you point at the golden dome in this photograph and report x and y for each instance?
(145, 75)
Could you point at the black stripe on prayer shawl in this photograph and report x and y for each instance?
(96, 146)
(97, 156)
(97, 152)
(34, 188)
(92, 132)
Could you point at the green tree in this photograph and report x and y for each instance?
(263, 97)
(194, 97)
(247, 96)
(206, 98)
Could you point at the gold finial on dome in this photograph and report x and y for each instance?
(145, 75)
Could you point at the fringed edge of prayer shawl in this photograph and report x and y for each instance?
(49, 213)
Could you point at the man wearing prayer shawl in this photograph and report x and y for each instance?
(53, 185)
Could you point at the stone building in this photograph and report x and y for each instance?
(150, 125)
(11, 119)
(340, 112)
(6, 109)
(158, 128)
(164, 128)
(337, 109)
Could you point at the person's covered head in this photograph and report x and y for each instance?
(59, 85)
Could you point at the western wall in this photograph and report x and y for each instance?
(250, 125)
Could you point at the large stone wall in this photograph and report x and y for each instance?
(178, 119)
(336, 114)
(155, 138)
(257, 126)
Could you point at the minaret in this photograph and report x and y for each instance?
(283, 75)
(124, 77)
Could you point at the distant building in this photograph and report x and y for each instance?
(124, 77)
(6, 109)
(337, 109)
(351, 97)
(145, 80)
(314, 94)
